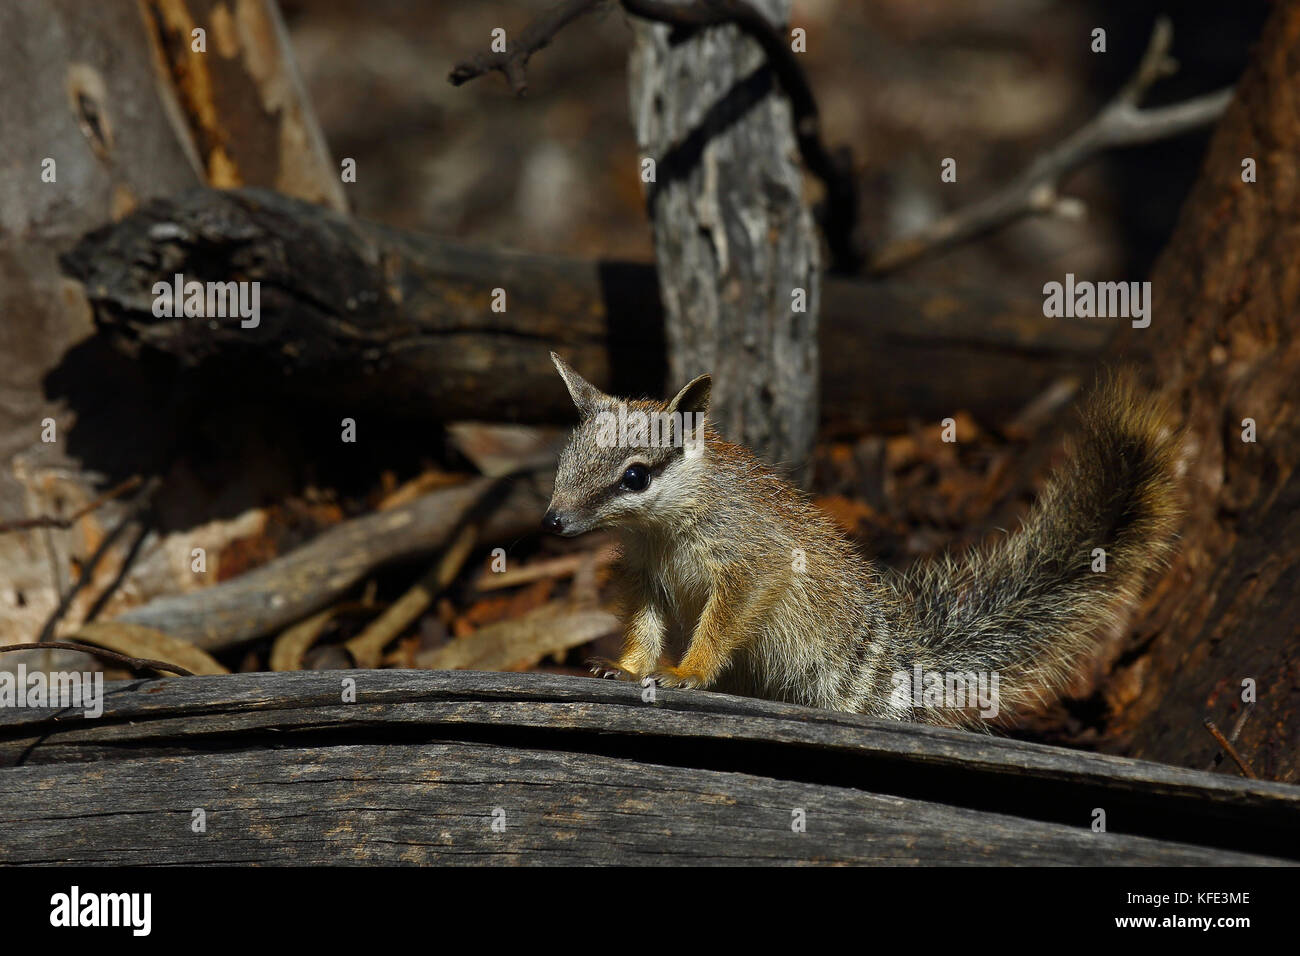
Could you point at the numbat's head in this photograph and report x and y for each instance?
(628, 463)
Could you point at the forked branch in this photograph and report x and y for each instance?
(1036, 191)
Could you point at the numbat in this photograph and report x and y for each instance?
(741, 584)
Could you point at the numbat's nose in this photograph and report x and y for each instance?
(553, 522)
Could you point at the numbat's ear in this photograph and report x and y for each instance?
(693, 404)
(694, 397)
(585, 395)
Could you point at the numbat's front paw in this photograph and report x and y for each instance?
(676, 677)
(610, 670)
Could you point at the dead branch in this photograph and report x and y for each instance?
(1036, 190)
(294, 641)
(146, 642)
(310, 578)
(522, 641)
(367, 647)
(426, 343)
(137, 505)
(1228, 748)
(1237, 726)
(561, 567)
(511, 63)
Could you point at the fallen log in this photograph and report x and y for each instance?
(374, 318)
(423, 764)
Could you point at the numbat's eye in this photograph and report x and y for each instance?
(635, 478)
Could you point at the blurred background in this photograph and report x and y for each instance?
(901, 82)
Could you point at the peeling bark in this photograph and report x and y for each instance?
(239, 104)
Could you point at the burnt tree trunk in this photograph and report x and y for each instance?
(1223, 346)
(416, 310)
(734, 239)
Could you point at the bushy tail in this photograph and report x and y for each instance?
(1031, 607)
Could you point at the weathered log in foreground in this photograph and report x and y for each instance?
(580, 771)
(376, 318)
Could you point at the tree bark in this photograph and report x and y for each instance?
(1223, 346)
(735, 243)
(238, 103)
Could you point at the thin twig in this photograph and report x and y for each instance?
(49, 521)
(532, 38)
(294, 641)
(367, 646)
(1237, 725)
(1229, 749)
(135, 663)
(1241, 721)
(520, 642)
(839, 208)
(561, 567)
(128, 560)
(1036, 190)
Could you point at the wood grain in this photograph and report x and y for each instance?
(1223, 347)
(585, 772)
